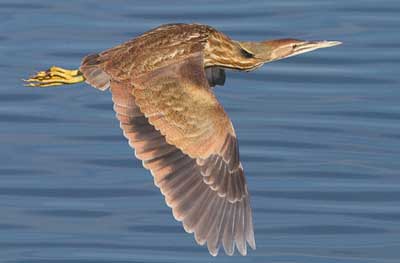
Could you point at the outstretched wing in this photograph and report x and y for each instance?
(184, 137)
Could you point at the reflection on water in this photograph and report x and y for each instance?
(319, 136)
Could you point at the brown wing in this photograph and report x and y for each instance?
(178, 102)
(183, 136)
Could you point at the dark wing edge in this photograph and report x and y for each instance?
(190, 186)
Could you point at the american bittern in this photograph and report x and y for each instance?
(161, 84)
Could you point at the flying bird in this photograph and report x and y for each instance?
(162, 88)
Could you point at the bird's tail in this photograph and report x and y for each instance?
(55, 76)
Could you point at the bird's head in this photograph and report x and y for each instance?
(272, 50)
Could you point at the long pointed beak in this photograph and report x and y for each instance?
(308, 46)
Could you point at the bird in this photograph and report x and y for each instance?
(162, 86)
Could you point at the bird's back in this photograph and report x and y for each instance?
(159, 47)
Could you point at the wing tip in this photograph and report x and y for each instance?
(252, 243)
(212, 250)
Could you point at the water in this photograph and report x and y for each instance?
(319, 136)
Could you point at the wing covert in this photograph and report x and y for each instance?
(178, 101)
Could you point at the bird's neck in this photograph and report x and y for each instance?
(223, 52)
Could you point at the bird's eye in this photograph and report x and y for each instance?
(295, 46)
(246, 54)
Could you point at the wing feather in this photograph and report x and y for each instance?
(207, 193)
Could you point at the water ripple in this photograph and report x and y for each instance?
(22, 171)
(260, 159)
(156, 229)
(315, 78)
(99, 245)
(76, 213)
(193, 15)
(384, 216)
(24, 118)
(97, 138)
(338, 196)
(343, 61)
(100, 106)
(129, 163)
(75, 192)
(375, 9)
(22, 97)
(392, 136)
(4, 227)
(69, 54)
(283, 144)
(317, 129)
(363, 114)
(22, 6)
(323, 230)
(81, 260)
(330, 174)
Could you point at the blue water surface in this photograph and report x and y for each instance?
(319, 136)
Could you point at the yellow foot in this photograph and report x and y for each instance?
(55, 76)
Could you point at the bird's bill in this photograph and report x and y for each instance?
(307, 46)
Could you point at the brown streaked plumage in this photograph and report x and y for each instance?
(161, 84)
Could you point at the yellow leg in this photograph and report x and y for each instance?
(55, 76)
